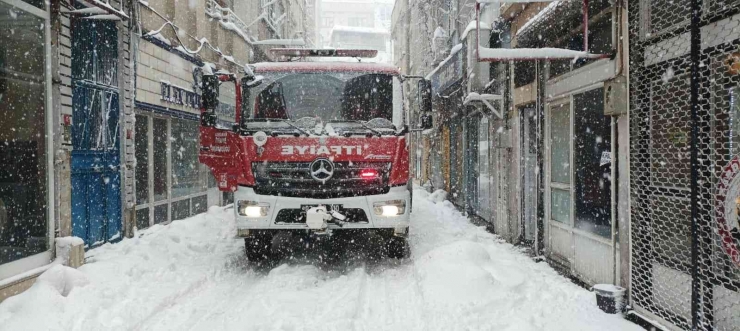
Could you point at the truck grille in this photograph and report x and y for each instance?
(293, 179)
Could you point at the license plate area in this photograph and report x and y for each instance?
(335, 207)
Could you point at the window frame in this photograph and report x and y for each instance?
(38, 262)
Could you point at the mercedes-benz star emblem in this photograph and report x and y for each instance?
(322, 169)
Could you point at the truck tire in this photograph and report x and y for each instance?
(258, 248)
(398, 248)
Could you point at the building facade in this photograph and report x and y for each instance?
(528, 147)
(178, 44)
(100, 114)
(588, 162)
(65, 86)
(353, 13)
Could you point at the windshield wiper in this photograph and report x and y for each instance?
(364, 125)
(281, 121)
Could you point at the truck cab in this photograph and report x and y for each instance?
(310, 149)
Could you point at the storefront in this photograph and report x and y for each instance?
(579, 197)
(26, 138)
(170, 183)
(446, 152)
(563, 127)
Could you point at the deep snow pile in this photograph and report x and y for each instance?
(191, 274)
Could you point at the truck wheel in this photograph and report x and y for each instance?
(258, 248)
(398, 248)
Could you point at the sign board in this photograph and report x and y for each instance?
(448, 73)
(179, 96)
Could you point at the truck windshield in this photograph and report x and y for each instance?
(324, 96)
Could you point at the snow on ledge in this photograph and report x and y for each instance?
(280, 42)
(473, 96)
(106, 6)
(534, 53)
(358, 29)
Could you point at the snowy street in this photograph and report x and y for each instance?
(192, 275)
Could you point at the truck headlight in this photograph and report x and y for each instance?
(252, 208)
(389, 208)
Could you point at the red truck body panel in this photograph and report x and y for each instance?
(230, 155)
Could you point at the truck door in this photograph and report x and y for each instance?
(219, 141)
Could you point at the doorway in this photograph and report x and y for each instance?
(95, 169)
(579, 186)
(530, 171)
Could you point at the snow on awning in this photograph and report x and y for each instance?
(107, 17)
(486, 100)
(547, 53)
(543, 13)
(473, 25)
(453, 52)
(89, 10)
(106, 7)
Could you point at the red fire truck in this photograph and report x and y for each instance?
(311, 149)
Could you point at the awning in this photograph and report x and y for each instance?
(486, 99)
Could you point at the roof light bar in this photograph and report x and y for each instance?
(315, 52)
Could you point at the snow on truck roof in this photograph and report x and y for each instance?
(358, 29)
(326, 66)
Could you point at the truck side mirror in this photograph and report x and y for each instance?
(424, 88)
(210, 92)
(427, 121)
(252, 81)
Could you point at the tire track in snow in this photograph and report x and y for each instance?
(171, 300)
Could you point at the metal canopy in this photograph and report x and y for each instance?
(495, 55)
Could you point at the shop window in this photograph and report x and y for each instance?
(160, 214)
(142, 218)
(560, 144)
(141, 148)
(23, 189)
(524, 73)
(36, 3)
(484, 174)
(599, 38)
(180, 209)
(199, 204)
(560, 205)
(211, 178)
(227, 197)
(472, 164)
(159, 133)
(592, 156)
(186, 177)
(457, 151)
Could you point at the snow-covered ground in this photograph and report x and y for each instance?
(192, 275)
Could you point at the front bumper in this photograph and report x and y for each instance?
(399, 222)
